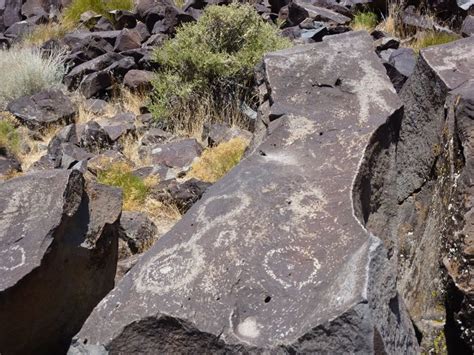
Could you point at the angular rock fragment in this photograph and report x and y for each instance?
(138, 233)
(41, 110)
(176, 154)
(58, 247)
(274, 257)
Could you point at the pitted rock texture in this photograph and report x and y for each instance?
(274, 257)
(425, 219)
(58, 254)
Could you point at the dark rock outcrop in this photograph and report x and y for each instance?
(58, 247)
(425, 222)
(246, 269)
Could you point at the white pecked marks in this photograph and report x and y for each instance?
(12, 258)
(249, 328)
(291, 266)
(171, 269)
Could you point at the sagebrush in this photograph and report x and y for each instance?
(28, 70)
(213, 58)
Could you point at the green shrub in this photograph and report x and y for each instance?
(25, 71)
(9, 137)
(135, 190)
(77, 7)
(364, 21)
(214, 56)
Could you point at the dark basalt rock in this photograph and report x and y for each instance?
(75, 76)
(54, 266)
(138, 80)
(186, 194)
(9, 164)
(429, 210)
(138, 233)
(41, 110)
(128, 39)
(94, 138)
(124, 19)
(176, 154)
(216, 133)
(400, 65)
(96, 84)
(246, 269)
(119, 126)
(468, 26)
(74, 37)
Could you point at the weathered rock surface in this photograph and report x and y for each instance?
(138, 233)
(274, 256)
(58, 254)
(176, 154)
(425, 222)
(44, 109)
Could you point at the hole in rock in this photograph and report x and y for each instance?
(268, 299)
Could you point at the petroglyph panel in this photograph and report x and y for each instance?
(20, 225)
(273, 250)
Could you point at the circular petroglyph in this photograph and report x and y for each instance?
(171, 269)
(12, 258)
(291, 266)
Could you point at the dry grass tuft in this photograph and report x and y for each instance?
(215, 162)
(126, 101)
(162, 214)
(428, 39)
(135, 189)
(45, 32)
(366, 21)
(33, 149)
(189, 118)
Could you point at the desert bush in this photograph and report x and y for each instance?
(213, 58)
(25, 71)
(427, 39)
(77, 7)
(9, 138)
(215, 162)
(364, 21)
(135, 190)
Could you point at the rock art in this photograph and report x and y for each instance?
(58, 254)
(274, 257)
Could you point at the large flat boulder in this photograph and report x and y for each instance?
(275, 257)
(58, 254)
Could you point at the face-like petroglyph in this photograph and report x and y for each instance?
(292, 266)
(12, 258)
(172, 269)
